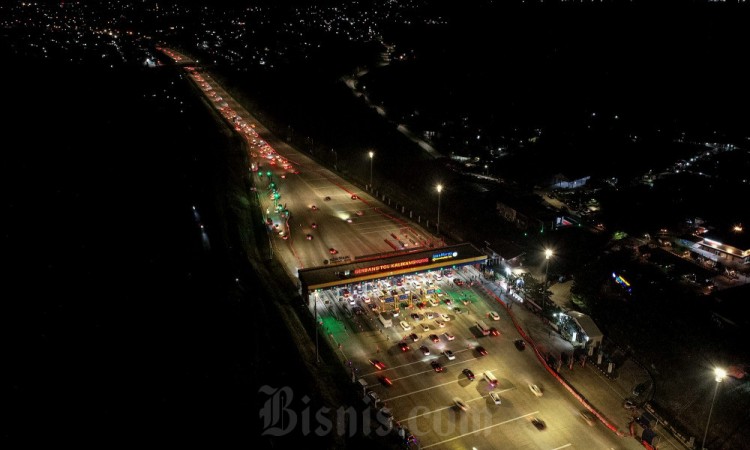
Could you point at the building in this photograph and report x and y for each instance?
(579, 329)
(729, 246)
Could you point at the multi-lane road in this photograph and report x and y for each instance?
(422, 399)
(319, 218)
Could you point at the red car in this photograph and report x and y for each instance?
(332, 251)
(494, 332)
(403, 346)
(378, 364)
(436, 366)
(314, 225)
(385, 381)
(481, 350)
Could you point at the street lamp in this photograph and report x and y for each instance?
(720, 375)
(547, 255)
(372, 154)
(439, 190)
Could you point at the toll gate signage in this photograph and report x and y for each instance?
(443, 256)
(391, 266)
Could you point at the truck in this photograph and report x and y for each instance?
(386, 319)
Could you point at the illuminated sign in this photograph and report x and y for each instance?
(391, 266)
(619, 279)
(444, 255)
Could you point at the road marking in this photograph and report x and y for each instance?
(431, 387)
(481, 429)
(447, 407)
(564, 446)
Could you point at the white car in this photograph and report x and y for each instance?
(445, 317)
(430, 314)
(449, 336)
(405, 325)
(449, 354)
(535, 390)
(494, 315)
(440, 323)
(425, 327)
(495, 398)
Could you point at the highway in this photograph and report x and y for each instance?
(337, 215)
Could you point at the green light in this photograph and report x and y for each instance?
(268, 173)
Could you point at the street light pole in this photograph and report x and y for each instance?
(372, 154)
(317, 328)
(720, 374)
(439, 190)
(547, 255)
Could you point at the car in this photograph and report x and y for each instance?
(415, 316)
(308, 237)
(421, 305)
(332, 251)
(327, 198)
(314, 225)
(349, 220)
(405, 325)
(445, 317)
(469, 374)
(629, 404)
(520, 344)
(378, 364)
(373, 396)
(449, 336)
(354, 197)
(403, 346)
(430, 315)
(494, 315)
(436, 366)
(458, 282)
(460, 404)
(535, 390)
(440, 323)
(481, 350)
(314, 208)
(588, 416)
(449, 354)
(495, 398)
(538, 423)
(425, 327)
(458, 310)
(448, 302)
(494, 332)
(425, 351)
(360, 213)
(414, 337)
(385, 381)
(434, 338)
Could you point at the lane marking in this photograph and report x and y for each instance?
(481, 429)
